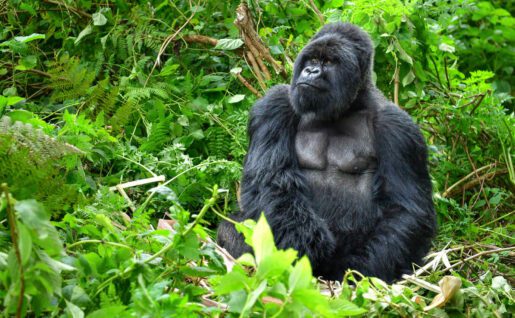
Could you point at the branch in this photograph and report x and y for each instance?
(77, 11)
(247, 84)
(505, 249)
(252, 40)
(453, 190)
(197, 38)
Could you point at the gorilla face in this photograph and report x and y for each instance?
(330, 71)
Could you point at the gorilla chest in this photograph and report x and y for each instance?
(338, 156)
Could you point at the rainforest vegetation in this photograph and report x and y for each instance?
(123, 133)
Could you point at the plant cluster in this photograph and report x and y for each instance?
(97, 95)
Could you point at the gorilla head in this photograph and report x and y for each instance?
(331, 70)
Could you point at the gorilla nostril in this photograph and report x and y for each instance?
(312, 70)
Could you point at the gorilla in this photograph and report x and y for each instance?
(339, 171)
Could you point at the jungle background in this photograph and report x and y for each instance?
(96, 94)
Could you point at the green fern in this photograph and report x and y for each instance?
(69, 79)
(218, 142)
(103, 98)
(33, 164)
(159, 136)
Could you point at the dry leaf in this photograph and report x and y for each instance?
(269, 299)
(163, 224)
(419, 300)
(449, 286)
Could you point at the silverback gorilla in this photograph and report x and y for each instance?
(339, 171)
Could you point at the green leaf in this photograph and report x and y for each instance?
(347, 308)
(73, 311)
(275, 264)
(253, 296)
(111, 311)
(408, 79)
(402, 54)
(235, 98)
(301, 275)
(29, 38)
(312, 299)
(24, 242)
(231, 281)
(99, 19)
(14, 100)
(262, 240)
(87, 30)
(246, 228)
(228, 44)
(27, 63)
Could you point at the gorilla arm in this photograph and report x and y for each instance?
(273, 183)
(404, 196)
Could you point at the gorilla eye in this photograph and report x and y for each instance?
(313, 61)
(328, 62)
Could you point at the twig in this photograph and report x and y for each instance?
(318, 13)
(422, 283)
(504, 249)
(77, 11)
(396, 86)
(446, 73)
(247, 84)
(257, 69)
(479, 101)
(165, 44)
(450, 189)
(98, 242)
(126, 197)
(197, 38)
(436, 71)
(475, 182)
(138, 183)
(14, 238)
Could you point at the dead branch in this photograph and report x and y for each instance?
(253, 42)
(474, 182)
(247, 84)
(483, 253)
(256, 70)
(197, 38)
(451, 189)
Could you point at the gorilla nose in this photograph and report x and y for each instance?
(312, 71)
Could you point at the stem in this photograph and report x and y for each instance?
(14, 238)
(505, 249)
(70, 246)
(396, 86)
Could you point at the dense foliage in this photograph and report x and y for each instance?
(94, 94)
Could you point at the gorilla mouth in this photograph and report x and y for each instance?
(305, 84)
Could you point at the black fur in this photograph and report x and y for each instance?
(381, 236)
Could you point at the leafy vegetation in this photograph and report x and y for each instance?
(95, 94)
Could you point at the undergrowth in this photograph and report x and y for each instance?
(97, 94)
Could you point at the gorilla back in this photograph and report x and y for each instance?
(339, 171)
